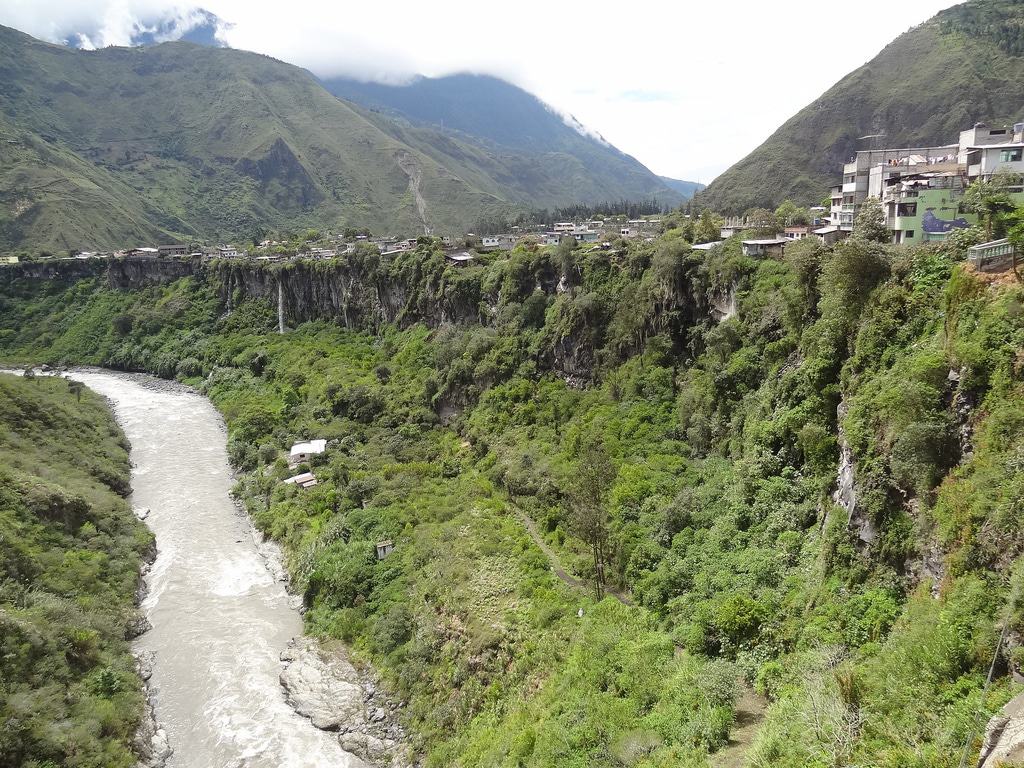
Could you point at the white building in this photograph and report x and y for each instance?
(460, 259)
(986, 151)
(487, 242)
(303, 480)
(564, 226)
(302, 452)
(228, 252)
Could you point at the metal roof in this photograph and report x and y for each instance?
(311, 446)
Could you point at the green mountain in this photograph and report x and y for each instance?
(506, 140)
(685, 188)
(962, 66)
(175, 141)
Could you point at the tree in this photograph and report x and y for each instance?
(763, 221)
(791, 215)
(870, 222)
(588, 501)
(1015, 232)
(708, 228)
(990, 200)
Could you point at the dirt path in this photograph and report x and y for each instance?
(556, 563)
(412, 170)
(750, 710)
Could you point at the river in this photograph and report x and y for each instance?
(220, 617)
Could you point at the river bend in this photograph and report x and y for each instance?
(220, 617)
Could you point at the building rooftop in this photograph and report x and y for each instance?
(310, 446)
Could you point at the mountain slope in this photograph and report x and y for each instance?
(960, 67)
(104, 147)
(523, 147)
(685, 188)
(117, 146)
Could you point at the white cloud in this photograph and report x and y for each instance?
(687, 88)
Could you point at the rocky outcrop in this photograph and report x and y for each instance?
(962, 403)
(150, 742)
(120, 274)
(324, 686)
(723, 304)
(845, 494)
(1004, 736)
(282, 177)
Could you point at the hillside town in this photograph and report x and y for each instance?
(921, 191)
(459, 250)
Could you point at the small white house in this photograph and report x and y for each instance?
(487, 242)
(303, 480)
(385, 548)
(564, 226)
(460, 259)
(301, 452)
(227, 252)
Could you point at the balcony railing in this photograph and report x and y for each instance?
(995, 256)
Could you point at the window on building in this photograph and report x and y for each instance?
(1011, 155)
(910, 233)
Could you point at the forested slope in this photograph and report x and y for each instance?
(697, 451)
(70, 551)
(962, 66)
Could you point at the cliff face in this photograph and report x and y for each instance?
(346, 293)
(365, 294)
(120, 274)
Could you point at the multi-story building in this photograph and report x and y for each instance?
(921, 187)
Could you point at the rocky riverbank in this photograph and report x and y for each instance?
(322, 684)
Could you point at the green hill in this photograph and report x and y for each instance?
(685, 188)
(126, 145)
(505, 140)
(103, 147)
(70, 551)
(960, 67)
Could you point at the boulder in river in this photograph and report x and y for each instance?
(325, 687)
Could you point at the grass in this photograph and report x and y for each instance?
(70, 550)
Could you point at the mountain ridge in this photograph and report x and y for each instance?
(525, 138)
(116, 146)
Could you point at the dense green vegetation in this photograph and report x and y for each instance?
(70, 550)
(939, 78)
(692, 465)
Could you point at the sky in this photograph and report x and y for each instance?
(688, 88)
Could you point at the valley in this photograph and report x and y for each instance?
(352, 416)
(455, 393)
